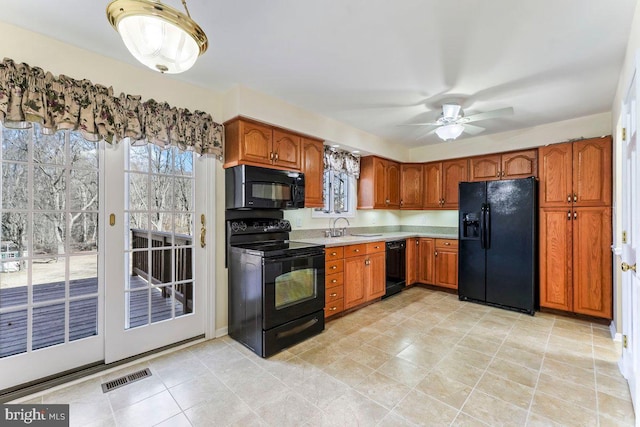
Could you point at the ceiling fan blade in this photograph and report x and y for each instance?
(488, 115)
(472, 129)
(419, 124)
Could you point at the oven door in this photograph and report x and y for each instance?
(293, 287)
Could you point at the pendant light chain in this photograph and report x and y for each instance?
(184, 3)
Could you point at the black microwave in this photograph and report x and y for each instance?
(252, 187)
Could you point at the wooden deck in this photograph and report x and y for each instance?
(48, 321)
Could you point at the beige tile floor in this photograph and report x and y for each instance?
(419, 358)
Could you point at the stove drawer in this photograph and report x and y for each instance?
(336, 266)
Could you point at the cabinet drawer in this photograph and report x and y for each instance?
(336, 252)
(333, 294)
(335, 266)
(355, 250)
(334, 307)
(446, 244)
(375, 247)
(335, 279)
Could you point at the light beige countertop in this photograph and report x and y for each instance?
(372, 237)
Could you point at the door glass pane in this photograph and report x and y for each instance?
(49, 242)
(295, 287)
(159, 239)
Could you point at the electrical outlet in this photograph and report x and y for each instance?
(298, 222)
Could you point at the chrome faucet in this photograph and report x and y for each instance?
(334, 232)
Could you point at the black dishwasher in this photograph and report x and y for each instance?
(396, 267)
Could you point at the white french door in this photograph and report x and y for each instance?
(51, 301)
(155, 248)
(630, 185)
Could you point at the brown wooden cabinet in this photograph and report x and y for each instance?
(312, 165)
(253, 143)
(379, 184)
(364, 273)
(575, 260)
(411, 182)
(412, 260)
(446, 263)
(426, 271)
(575, 227)
(441, 181)
(517, 164)
(334, 281)
(576, 173)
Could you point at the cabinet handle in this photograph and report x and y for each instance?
(498, 174)
(568, 198)
(276, 157)
(376, 247)
(436, 253)
(333, 267)
(356, 250)
(367, 262)
(401, 202)
(333, 308)
(447, 243)
(575, 197)
(568, 215)
(334, 281)
(417, 242)
(575, 215)
(334, 253)
(333, 295)
(503, 174)
(387, 201)
(271, 156)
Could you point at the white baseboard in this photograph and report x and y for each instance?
(614, 334)
(222, 332)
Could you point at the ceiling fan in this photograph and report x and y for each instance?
(452, 121)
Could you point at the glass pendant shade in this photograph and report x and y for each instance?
(449, 132)
(158, 36)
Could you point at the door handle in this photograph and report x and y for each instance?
(626, 267)
(203, 232)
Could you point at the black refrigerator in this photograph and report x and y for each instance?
(498, 238)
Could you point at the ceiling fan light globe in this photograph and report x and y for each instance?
(449, 132)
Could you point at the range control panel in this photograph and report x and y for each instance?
(251, 226)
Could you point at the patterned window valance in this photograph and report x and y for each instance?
(28, 94)
(341, 161)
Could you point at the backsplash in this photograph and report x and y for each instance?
(319, 232)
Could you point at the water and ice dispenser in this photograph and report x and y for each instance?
(470, 227)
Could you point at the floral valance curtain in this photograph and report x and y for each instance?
(341, 161)
(29, 94)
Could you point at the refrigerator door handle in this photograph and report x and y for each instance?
(487, 231)
(482, 230)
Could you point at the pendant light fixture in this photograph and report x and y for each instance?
(161, 37)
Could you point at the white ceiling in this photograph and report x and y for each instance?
(376, 64)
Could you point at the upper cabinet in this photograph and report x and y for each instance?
(312, 164)
(379, 184)
(576, 173)
(441, 181)
(411, 186)
(252, 143)
(519, 164)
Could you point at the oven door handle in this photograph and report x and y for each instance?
(297, 329)
(301, 255)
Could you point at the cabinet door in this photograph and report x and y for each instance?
(312, 165)
(485, 168)
(354, 281)
(392, 173)
(412, 260)
(556, 188)
(432, 173)
(453, 172)
(379, 183)
(426, 253)
(411, 186)
(592, 265)
(286, 149)
(446, 268)
(592, 172)
(556, 258)
(256, 143)
(376, 276)
(521, 164)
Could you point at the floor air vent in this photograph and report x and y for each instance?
(127, 379)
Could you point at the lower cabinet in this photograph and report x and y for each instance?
(438, 262)
(412, 260)
(334, 281)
